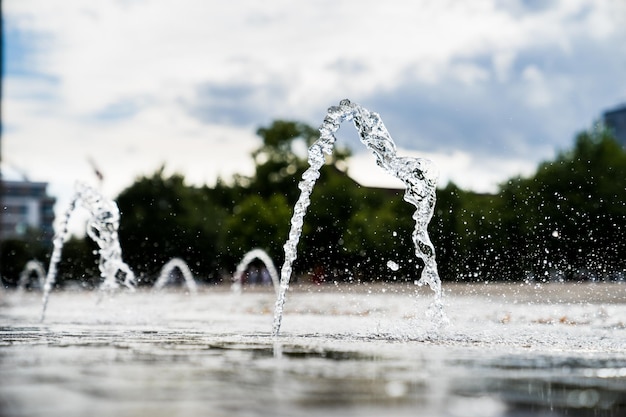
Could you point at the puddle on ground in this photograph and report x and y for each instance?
(141, 355)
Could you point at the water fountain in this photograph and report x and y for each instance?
(418, 175)
(166, 272)
(32, 267)
(510, 350)
(261, 255)
(102, 228)
(518, 349)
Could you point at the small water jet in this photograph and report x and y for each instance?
(166, 273)
(261, 255)
(102, 228)
(419, 176)
(32, 267)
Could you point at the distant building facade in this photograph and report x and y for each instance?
(25, 206)
(615, 120)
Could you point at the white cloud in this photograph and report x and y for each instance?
(50, 148)
(480, 173)
(114, 49)
(122, 81)
(502, 62)
(537, 91)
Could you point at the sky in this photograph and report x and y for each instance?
(487, 89)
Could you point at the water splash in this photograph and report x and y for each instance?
(102, 228)
(31, 267)
(261, 255)
(418, 175)
(169, 267)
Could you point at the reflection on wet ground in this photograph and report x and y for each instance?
(364, 352)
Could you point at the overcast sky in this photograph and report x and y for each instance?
(485, 88)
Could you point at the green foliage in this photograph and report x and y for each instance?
(333, 201)
(566, 221)
(571, 215)
(261, 216)
(281, 160)
(277, 165)
(380, 231)
(79, 264)
(258, 223)
(162, 218)
(279, 140)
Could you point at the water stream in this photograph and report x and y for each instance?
(169, 267)
(102, 228)
(32, 267)
(419, 176)
(261, 255)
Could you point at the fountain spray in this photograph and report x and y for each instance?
(261, 255)
(102, 228)
(419, 176)
(168, 268)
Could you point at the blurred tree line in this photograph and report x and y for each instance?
(567, 221)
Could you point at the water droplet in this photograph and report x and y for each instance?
(392, 265)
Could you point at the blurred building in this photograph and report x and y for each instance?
(616, 121)
(26, 209)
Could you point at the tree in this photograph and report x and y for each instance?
(380, 231)
(567, 220)
(257, 222)
(16, 252)
(267, 198)
(162, 218)
(570, 217)
(334, 201)
(79, 263)
(281, 159)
